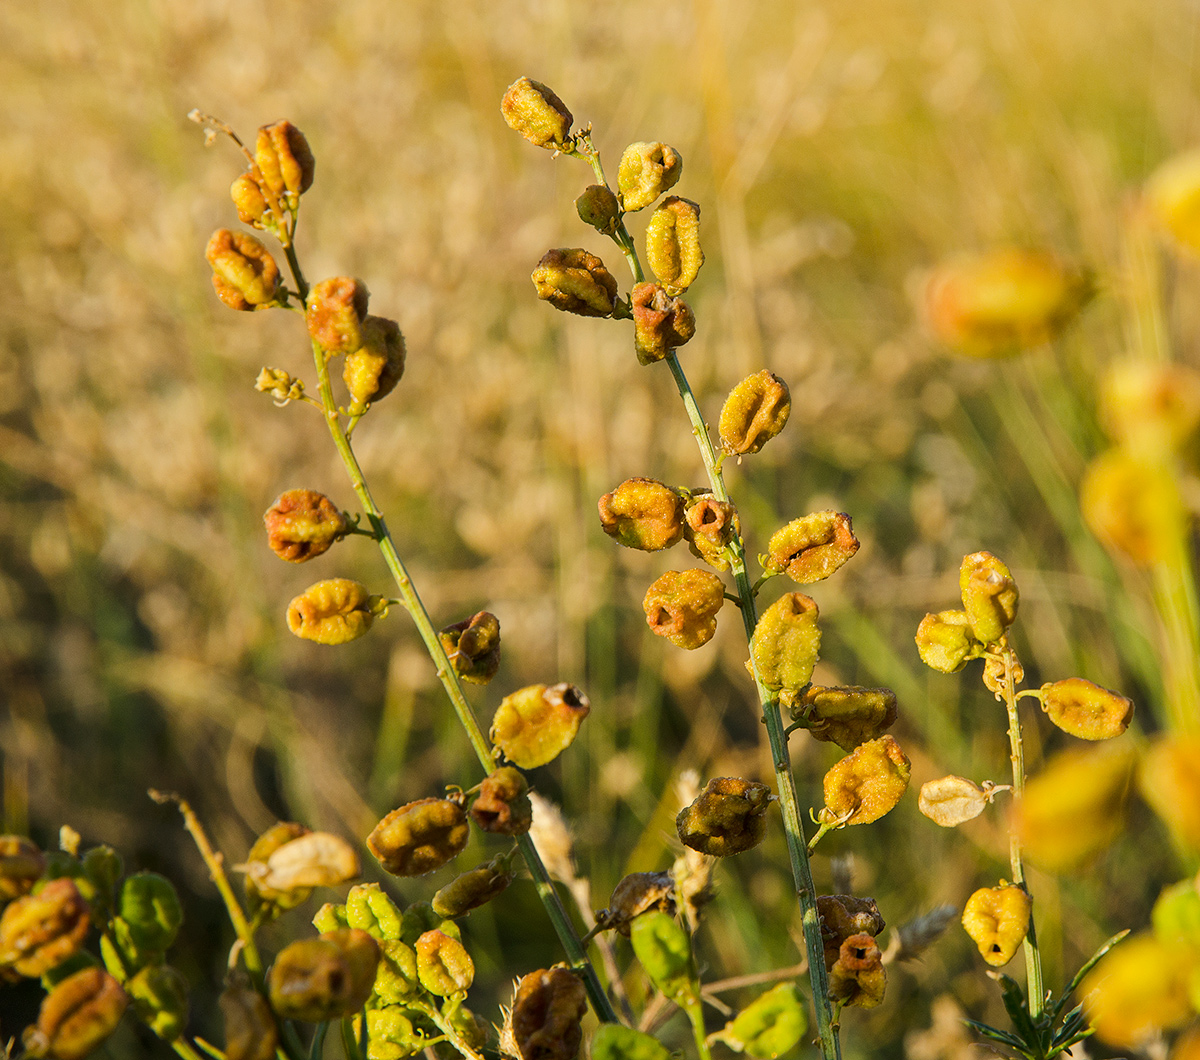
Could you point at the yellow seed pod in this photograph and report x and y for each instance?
(1169, 779)
(333, 611)
(756, 410)
(989, 596)
(673, 243)
(76, 1016)
(314, 859)
(284, 159)
(1132, 504)
(997, 919)
(420, 836)
(536, 724)
(945, 641)
(247, 196)
(811, 548)
(41, 930)
(866, 784)
(1086, 710)
(533, 110)
(323, 978)
(571, 279)
(372, 371)
(303, 524)
(661, 323)
(786, 642)
(709, 527)
(443, 965)
(1173, 196)
(951, 801)
(245, 275)
(643, 513)
(1151, 408)
(335, 312)
(645, 171)
(682, 606)
(847, 716)
(728, 817)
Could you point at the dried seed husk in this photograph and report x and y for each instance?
(858, 977)
(303, 524)
(575, 281)
(847, 716)
(536, 724)
(473, 646)
(661, 322)
(546, 1016)
(533, 110)
(954, 800)
(503, 806)
(727, 818)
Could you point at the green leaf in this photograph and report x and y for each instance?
(614, 1042)
(1018, 1012)
(770, 1025)
(997, 1035)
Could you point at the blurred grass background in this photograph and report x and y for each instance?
(837, 149)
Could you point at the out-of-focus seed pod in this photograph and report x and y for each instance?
(612, 1041)
(245, 275)
(571, 279)
(1133, 506)
(443, 965)
(771, 1025)
(1175, 917)
(39, 931)
(673, 243)
(160, 1000)
(645, 171)
(537, 114)
(103, 868)
(682, 606)
(284, 159)
(989, 596)
(420, 836)
(473, 889)
(1151, 408)
(997, 919)
(728, 817)
(1186, 1046)
(951, 801)
(786, 642)
(323, 978)
(842, 916)
(847, 716)
(638, 893)
(419, 918)
(866, 784)
(280, 385)
(643, 513)
(536, 724)
(289, 873)
(546, 1016)
(664, 951)
(76, 1016)
(149, 911)
(858, 977)
(250, 1031)
(372, 371)
(945, 641)
(599, 207)
(502, 805)
(474, 647)
(335, 313)
(303, 524)
(334, 611)
(1169, 780)
(811, 548)
(21, 864)
(661, 323)
(370, 909)
(710, 526)
(1173, 196)
(1000, 303)
(260, 852)
(756, 410)
(1086, 710)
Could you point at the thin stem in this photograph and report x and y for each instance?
(691, 1004)
(620, 235)
(184, 1048)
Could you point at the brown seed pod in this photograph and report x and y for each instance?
(502, 805)
(323, 978)
(76, 1016)
(858, 977)
(661, 323)
(245, 275)
(637, 893)
(40, 931)
(571, 279)
(474, 647)
(335, 313)
(844, 915)
(811, 548)
(682, 606)
(643, 513)
(546, 1016)
(728, 817)
(420, 836)
(303, 524)
(755, 411)
(848, 716)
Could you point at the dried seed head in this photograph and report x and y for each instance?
(537, 114)
(997, 919)
(682, 606)
(287, 875)
(472, 889)
(728, 817)
(443, 965)
(333, 611)
(865, 784)
(951, 801)
(673, 243)
(756, 410)
(638, 893)
(303, 524)
(420, 836)
(858, 977)
(1173, 196)
(250, 1031)
(284, 159)
(1169, 779)
(843, 916)
(245, 275)
(149, 911)
(536, 724)
(279, 834)
(989, 596)
(599, 207)
(372, 371)
(247, 195)
(39, 931)
(335, 313)
(502, 805)
(811, 548)
(474, 647)
(1086, 710)
(645, 171)
(945, 641)
(76, 1016)
(643, 513)
(546, 1016)
(324, 978)
(571, 279)
(160, 1000)
(786, 642)
(1132, 504)
(848, 716)
(710, 527)
(21, 864)
(661, 323)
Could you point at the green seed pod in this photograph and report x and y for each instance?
(502, 805)
(76, 1016)
(664, 951)
(1086, 710)
(865, 784)
(474, 647)
(250, 1031)
(372, 371)
(396, 978)
(612, 1041)
(997, 919)
(661, 323)
(160, 1000)
(858, 977)
(643, 513)
(247, 195)
(245, 275)
(843, 915)
(535, 725)
(396, 1032)
(419, 918)
(945, 641)
(329, 917)
(786, 642)
(710, 527)
(537, 114)
(21, 864)
(443, 965)
(728, 817)
(546, 1016)
(771, 1025)
(370, 909)
(150, 910)
(323, 978)
(638, 893)
(103, 868)
(673, 243)
(473, 889)
(599, 207)
(335, 312)
(989, 596)
(847, 717)
(420, 836)
(645, 171)
(811, 548)
(571, 279)
(41, 930)
(284, 159)
(756, 410)
(334, 611)
(303, 524)
(682, 606)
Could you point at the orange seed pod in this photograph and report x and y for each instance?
(811, 548)
(536, 113)
(1133, 505)
(1086, 710)
(645, 171)
(755, 411)
(858, 977)
(571, 279)
(335, 312)
(443, 965)
(989, 596)
(643, 513)
(39, 931)
(333, 611)
(324, 978)
(546, 1016)
(303, 524)
(847, 716)
(945, 641)
(728, 817)
(474, 647)
(284, 159)
(682, 606)
(245, 275)
(420, 836)
(997, 919)
(76, 1016)
(661, 323)
(536, 724)
(247, 196)
(502, 805)
(786, 642)
(710, 526)
(842, 916)
(866, 784)
(673, 243)
(372, 371)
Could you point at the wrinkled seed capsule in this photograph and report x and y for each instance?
(420, 836)
(1086, 710)
(997, 919)
(443, 965)
(536, 724)
(245, 275)
(637, 893)
(372, 371)
(728, 817)
(682, 606)
(76, 1016)
(755, 411)
(645, 171)
(315, 859)
(709, 527)
(160, 998)
(546, 1016)
(335, 313)
(599, 207)
(847, 716)
(575, 281)
(866, 784)
(643, 513)
(811, 548)
(247, 196)
(858, 977)
(250, 1031)
(661, 322)
(284, 158)
(844, 915)
(473, 646)
(673, 243)
(786, 642)
(149, 906)
(472, 889)
(989, 596)
(536, 113)
(324, 978)
(21, 864)
(333, 611)
(945, 641)
(503, 806)
(303, 524)
(39, 931)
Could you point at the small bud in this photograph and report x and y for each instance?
(1133, 505)
(150, 910)
(474, 647)
(372, 371)
(335, 313)
(997, 919)
(786, 642)
(473, 889)
(951, 801)
(682, 606)
(613, 1041)
(303, 524)
(843, 916)
(858, 977)
(250, 1031)
(673, 244)
(21, 864)
(645, 171)
(945, 641)
(756, 410)
(502, 806)
(315, 859)
(76, 1016)
(443, 965)
(638, 893)
(710, 527)
(247, 196)
(989, 596)
(284, 159)
(664, 951)
(847, 717)
(599, 207)
(160, 1000)
(811, 548)
(280, 385)
(537, 114)
(334, 611)
(545, 1020)
(866, 784)
(369, 908)
(260, 852)
(1169, 780)
(661, 323)
(643, 513)
(728, 817)
(325, 978)
(536, 724)
(1173, 196)
(1086, 710)
(771, 1025)
(575, 281)
(42, 930)
(245, 275)
(420, 836)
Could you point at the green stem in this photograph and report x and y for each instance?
(695, 1013)
(620, 235)
(184, 1048)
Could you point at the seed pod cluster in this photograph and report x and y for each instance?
(536, 724)
(728, 817)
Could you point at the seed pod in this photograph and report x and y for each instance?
(293, 869)
(865, 784)
(419, 918)
(160, 1000)
(259, 854)
(103, 868)
(1173, 196)
(945, 641)
(250, 1031)
(645, 171)
(989, 596)
(323, 978)
(664, 951)
(1151, 408)
(1169, 780)
(786, 642)
(643, 513)
(1086, 710)
(843, 916)
(547, 1010)
(420, 836)
(638, 893)
(335, 312)
(997, 919)
(41, 930)
(474, 647)
(536, 724)
(571, 279)
(334, 611)
(396, 977)
(682, 606)
(599, 207)
(247, 196)
(372, 371)
(612, 1041)
(303, 524)
(21, 865)
(150, 911)
(76, 1016)
(858, 977)
(396, 1031)
(673, 243)
(284, 159)
(811, 548)
(756, 410)
(502, 805)
(661, 323)
(951, 801)
(1133, 505)
(473, 889)
(370, 909)
(847, 717)
(728, 817)
(537, 114)
(443, 964)
(245, 275)
(471, 1029)
(710, 527)
(771, 1025)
